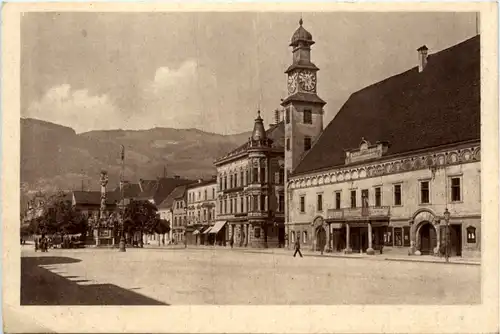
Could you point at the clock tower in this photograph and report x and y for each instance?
(303, 107)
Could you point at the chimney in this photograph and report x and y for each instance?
(422, 57)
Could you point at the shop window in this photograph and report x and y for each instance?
(293, 236)
(406, 236)
(398, 236)
(256, 232)
(471, 235)
(388, 237)
(304, 237)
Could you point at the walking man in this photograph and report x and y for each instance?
(297, 247)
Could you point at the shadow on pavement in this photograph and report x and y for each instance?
(39, 286)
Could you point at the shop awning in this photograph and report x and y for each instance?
(217, 227)
(207, 230)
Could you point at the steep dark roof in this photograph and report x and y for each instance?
(93, 198)
(177, 193)
(130, 190)
(161, 188)
(276, 132)
(412, 110)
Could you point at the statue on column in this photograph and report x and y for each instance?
(102, 212)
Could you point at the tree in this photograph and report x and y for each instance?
(162, 227)
(59, 216)
(140, 216)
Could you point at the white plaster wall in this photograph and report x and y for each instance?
(440, 193)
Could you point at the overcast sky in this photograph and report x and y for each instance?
(210, 71)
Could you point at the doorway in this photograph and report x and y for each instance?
(428, 239)
(456, 240)
(320, 238)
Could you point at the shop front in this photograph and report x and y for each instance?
(360, 230)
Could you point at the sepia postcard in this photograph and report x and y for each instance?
(250, 168)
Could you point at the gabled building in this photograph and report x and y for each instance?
(250, 204)
(397, 168)
(157, 190)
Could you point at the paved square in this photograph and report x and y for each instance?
(221, 276)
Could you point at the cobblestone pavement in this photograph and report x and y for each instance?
(220, 276)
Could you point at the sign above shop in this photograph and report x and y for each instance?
(366, 151)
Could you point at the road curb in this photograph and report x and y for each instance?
(434, 261)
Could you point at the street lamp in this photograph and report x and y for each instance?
(447, 220)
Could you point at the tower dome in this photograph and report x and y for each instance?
(258, 133)
(301, 35)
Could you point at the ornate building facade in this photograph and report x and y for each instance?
(398, 168)
(250, 203)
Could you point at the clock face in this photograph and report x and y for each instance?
(307, 81)
(292, 83)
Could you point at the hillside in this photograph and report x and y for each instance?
(56, 157)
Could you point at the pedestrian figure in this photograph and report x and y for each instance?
(297, 247)
(36, 244)
(185, 242)
(231, 242)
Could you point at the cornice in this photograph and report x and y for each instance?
(430, 160)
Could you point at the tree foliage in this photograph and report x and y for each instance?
(140, 216)
(59, 216)
(162, 226)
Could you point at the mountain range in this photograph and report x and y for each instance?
(55, 157)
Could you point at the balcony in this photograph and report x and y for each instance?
(371, 212)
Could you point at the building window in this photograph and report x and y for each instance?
(220, 207)
(213, 193)
(471, 235)
(247, 181)
(241, 205)
(364, 198)
(256, 232)
(398, 236)
(424, 192)
(304, 237)
(288, 144)
(255, 176)
(307, 144)
(320, 202)
(262, 202)
(281, 203)
(241, 179)
(302, 204)
(353, 198)
(225, 182)
(397, 194)
(262, 175)
(255, 203)
(205, 195)
(287, 115)
(293, 236)
(378, 196)
(281, 176)
(225, 205)
(337, 200)
(455, 189)
(230, 181)
(307, 116)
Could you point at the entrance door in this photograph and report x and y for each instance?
(320, 239)
(456, 240)
(428, 239)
